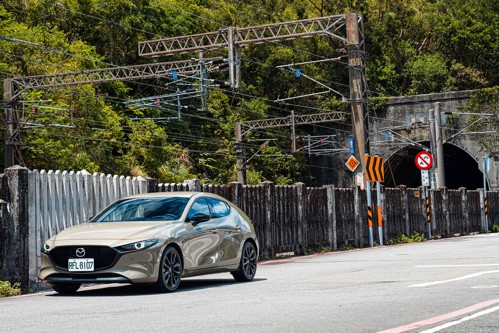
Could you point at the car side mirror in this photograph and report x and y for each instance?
(199, 218)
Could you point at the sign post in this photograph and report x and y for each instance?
(424, 162)
(375, 172)
(486, 168)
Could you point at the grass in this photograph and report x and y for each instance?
(415, 237)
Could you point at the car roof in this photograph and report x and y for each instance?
(181, 194)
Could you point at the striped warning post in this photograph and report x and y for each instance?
(486, 207)
(380, 216)
(370, 216)
(428, 213)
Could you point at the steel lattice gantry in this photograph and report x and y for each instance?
(328, 25)
(123, 73)
(234, 38)
(292, 120)
(14, 87)
(247, 126)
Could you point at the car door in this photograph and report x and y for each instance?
(229, 230)
(200, 238)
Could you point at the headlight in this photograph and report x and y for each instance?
(137, 246)
(46, 248)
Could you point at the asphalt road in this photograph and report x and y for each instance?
(449, 285)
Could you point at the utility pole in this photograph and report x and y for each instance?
(241, 168)
(10, 123)
(358, 86)
(431, 121)
(293, 133)
(440, 167)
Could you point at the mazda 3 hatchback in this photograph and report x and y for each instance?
(156, 239)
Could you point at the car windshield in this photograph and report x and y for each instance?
(143, 209)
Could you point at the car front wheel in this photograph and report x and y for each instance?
(247, 267)
(170, 270)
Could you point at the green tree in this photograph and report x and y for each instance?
(429, 74)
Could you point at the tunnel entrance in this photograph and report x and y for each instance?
(461, 170)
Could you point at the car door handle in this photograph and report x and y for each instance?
(238, 227)
(214, 231)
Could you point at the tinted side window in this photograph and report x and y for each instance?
(218, 208)
(199, 206)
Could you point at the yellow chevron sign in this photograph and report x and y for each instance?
(375, 169)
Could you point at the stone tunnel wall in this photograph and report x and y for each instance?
(407, 118)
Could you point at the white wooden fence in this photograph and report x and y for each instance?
(58, 200)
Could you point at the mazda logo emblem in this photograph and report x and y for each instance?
(80, 252)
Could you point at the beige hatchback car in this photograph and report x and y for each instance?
(154, 238)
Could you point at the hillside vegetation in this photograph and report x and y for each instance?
(412, 47)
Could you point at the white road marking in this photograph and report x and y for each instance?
(448, 266)
(453, 323)
(452, 280)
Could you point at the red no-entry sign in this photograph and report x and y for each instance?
(424, 160)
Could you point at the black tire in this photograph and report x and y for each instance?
(66, 288)
(247, 267)
(170, 270)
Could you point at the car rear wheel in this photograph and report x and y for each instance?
(170, 270)
(247, 267)
(66, 288)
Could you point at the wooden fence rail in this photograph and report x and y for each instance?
(35, 205)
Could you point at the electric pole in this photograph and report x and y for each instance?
(240, 163)
(440, 167)
(10, 123)
(358, 85)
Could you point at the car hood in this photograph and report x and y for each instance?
(110, 233)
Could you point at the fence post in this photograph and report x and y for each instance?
(331, 217)
(301, 191)
(405, 208)
(482, 211)
(445, 211)
(269, 193)
(358, 218)
(86, 195)
(465, 212)
(193, 184)
(236, 193)
(433, 212)
(34, 240)
(18, 223)
(151, 185)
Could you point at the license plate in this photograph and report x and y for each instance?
(81, 265)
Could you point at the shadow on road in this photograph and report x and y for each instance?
(186, 285)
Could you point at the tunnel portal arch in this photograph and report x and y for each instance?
(461, 169)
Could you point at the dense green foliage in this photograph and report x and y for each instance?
(7, 289)
(415, 237)
(413, 47)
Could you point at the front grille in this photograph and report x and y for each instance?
(86, 278)
(104, 256)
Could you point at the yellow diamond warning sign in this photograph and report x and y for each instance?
(352, 163)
